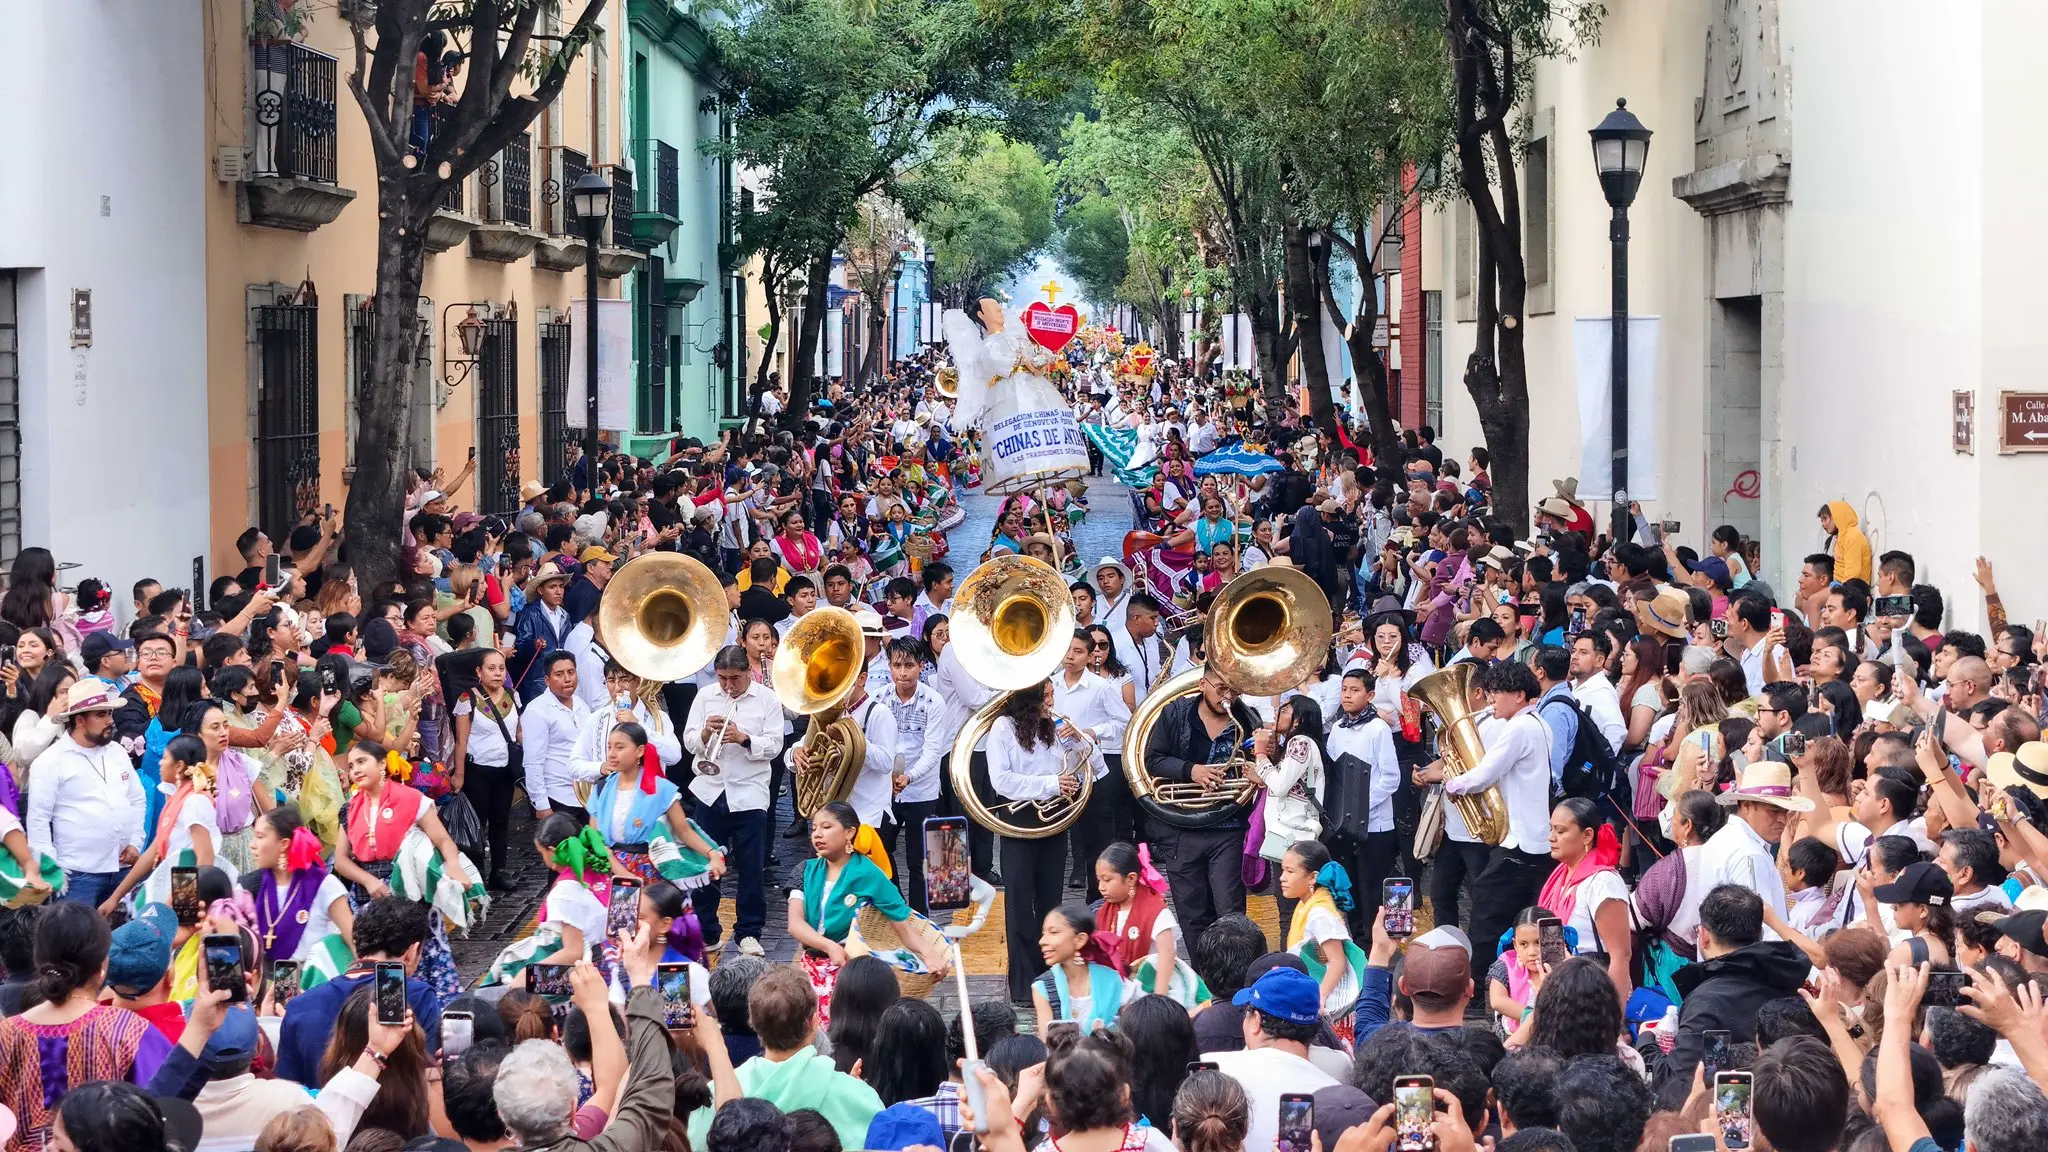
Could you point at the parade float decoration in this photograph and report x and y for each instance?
(1031, 439)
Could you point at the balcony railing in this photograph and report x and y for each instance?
(622, 206)
(508, 179)
(295, 112)
(668, 196)
(561, 212)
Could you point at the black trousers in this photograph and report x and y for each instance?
(981, 842)
(1369, 862)
(910, 817)
(1033, 874)
(1511, 882)
(1457, 865)
(676, 698)
(489, 788)
(1204, 869)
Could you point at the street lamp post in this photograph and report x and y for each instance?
(1620, 146)
(592, 198)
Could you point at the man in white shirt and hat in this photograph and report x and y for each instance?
(1744, 851)
(85, 802)
(1113, 592)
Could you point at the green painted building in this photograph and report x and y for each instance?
(685, 306)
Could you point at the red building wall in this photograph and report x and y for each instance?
(1414, 366)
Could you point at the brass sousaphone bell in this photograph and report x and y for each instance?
(1013, 619)
(819, 664)
(1267, 631)
(663, 616)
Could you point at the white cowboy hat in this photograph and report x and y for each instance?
(87, 695)
(1766, 782)
(1109, 562)
(870, 622)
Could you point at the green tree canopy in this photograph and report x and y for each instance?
(986, 210)
(1095, 248)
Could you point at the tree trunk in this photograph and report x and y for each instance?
(802, 374)
(376, 493)
(1271, 348)
(876, 358)
(1302, 309)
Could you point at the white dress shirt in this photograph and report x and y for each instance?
(581, 642)
(1141, 658)
(1518, 759)
(920, 741)
(552, 730)
(1373, 743)
(592, 745)
(874, 789)
(1094, 705)
(1111, 613)
(1202, 439)
(1737, 855)
(1018, 774)
(963, 694)
(84, 805)
(1603, 702)
(743, 769)
(486, 741)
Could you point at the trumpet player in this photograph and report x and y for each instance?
(735, 731)
(1020, 769)
(1518, 760)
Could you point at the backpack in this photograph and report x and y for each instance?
(1591, 769)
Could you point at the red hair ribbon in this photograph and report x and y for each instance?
(650, 768)
(304, 850)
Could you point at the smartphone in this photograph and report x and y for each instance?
(1778, 619)
(391, 1002)
(1944, 989)
(673, 982)
(458, 1033)
(284, 982)
(1204, 1066)
(1070, 1028)
(1718, 629)
(1550, 938)
(327, 682)
(1668, 527)
(1892, 606)
(1397, 896)
(946, 865)
(1578, 621)
(623, 914)
(1297, 1121)
(185, 895)
(1714, 1055)
(224, 967)
(1414, 1108)
(1731, 1107)
(1693, 1142)
(550, 981)
(273, 570)
(1793, 743)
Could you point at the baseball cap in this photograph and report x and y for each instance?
(234, 1042)
(1284, 994)
(1437, 968)
(2022, 928)
(1917, 883)
(595, 553)
(903, 1126)
(98, 645)
(140, 951)
(1713, 568)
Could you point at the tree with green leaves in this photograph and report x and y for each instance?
(986, 210)
(1095, 248)
(519, 56)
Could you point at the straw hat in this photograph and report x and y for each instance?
(1666, 612)
(1766, 782)
(2026, 768)
(1110, 562)
(871, 623)
(87, 695)
(1556, 506)
(545, 573)
(531, 491)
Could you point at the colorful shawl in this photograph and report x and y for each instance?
(643, 818)
(396, 808)
(39, 1063)
(1561, 892)
(860, 881)
(1105, 995)
(281, 918)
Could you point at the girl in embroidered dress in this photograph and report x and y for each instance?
(1289, 765)
(639, 812)
(381, 814)
(1317, 931)
(189, 825)
(1135, 916)
(576, 905)
(851, 868)
(1082, 982)
(301, 908)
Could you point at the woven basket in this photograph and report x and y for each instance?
(881, 934)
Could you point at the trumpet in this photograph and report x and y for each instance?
(707, 765)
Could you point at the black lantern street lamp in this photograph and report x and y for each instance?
(1620, 146)
(591, 196)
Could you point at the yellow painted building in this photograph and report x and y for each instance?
(291, 220)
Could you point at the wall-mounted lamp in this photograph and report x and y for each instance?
(469, 338)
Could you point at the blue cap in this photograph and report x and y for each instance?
(140, 952)
(234, 1041)
(902, 1126)
(1285, 994)
(1713, 568)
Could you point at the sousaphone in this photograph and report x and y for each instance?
(663, 616)
(1013, 619)
(1267, 631)
(819, 664)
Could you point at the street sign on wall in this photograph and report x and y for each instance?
(1963, 423)
(2022, 422)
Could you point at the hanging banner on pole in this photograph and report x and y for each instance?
(614, 364)
(1592, 348)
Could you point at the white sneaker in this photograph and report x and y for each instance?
(750, 947)
(714, 949)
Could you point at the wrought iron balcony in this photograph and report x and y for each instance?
(293, 162)
(668, 197)
(623, 206)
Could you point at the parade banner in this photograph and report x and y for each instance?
(1593, 348)
(1031, 448)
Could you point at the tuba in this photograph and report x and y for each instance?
(819, 665)
(1447, 694)
(663, 616)
(1012, 621)
(949, 382)
(1268, 629)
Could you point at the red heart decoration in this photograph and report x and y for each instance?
(1051, 328)
(1141, 360)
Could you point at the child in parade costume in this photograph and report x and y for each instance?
(1082, 982)
(1318, 933)
(188, 834)
(395, 845)
(851, 868)
(25, 877)
(1509, 990)
(301, 908)
(639, 813)
(1134, 915)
